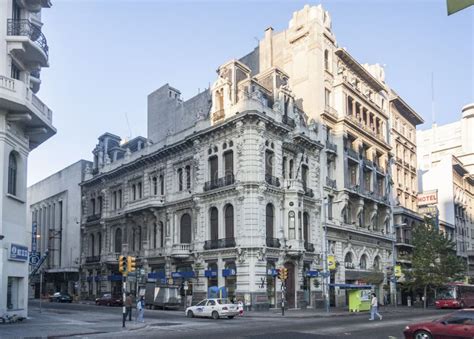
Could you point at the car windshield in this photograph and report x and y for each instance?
(223, 301)
(445, 293)
(202, 303)
(107, 296)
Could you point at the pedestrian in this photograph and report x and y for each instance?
(374, 308)
(140, 310)
(128, 305)
(240, 308)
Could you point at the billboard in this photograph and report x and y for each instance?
(428, 198)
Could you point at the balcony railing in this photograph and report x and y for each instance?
(352, 153)
(273, 242)
(309, 246)
(331, 182)
(181, 250)
(92, 259)
(93, 217)
(220, 182)
(288, 121)
(330, 111)
(23, 27)
(271, 180)
(219, 243)
(349, 265)
(331, 147)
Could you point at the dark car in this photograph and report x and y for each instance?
(60, 297)
(459, 324)
(109, 300)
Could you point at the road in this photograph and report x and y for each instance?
(82, 320)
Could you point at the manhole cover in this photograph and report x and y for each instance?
(164, 324)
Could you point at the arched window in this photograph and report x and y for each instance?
(348, 258)
(155, 234)
(155, 185)
(185, 229)
(99, 240)
(188, 177)
(92, 250)
(326, 60)
(118, 241)
(229, 166)
(291, 225)
(214, 220)
(377, 263)
(363, 262)
(162, 235)
(12, 173)
(306, 226)
(269, 220)
(229, 221)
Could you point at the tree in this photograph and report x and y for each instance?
(434, 261)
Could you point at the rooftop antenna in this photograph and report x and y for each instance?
(129, 128)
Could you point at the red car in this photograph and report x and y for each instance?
(109, 300)
(459, 324)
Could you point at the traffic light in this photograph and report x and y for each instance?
(131, 264)
(122, 264)
(283, 273)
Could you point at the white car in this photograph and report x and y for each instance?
(214, 307)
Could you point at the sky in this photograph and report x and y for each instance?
(106, 56)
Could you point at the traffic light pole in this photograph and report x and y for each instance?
(124, 288)
(283, 296)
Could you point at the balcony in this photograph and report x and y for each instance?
(271, 180)
(219, 243)
(92, 259)
(273, 242)
(404, 242)
(349, 265)
(25, 107)
(220, 182)
(331, 183)
(309, 247)
(330, 147)
(330, 112)
(218, 115)
(181, 251)
(352, 154)
(28, 42)
(288, 121)
(93, 217)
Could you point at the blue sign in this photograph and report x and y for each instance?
(34, 240)
(272, 271)
(312, 274)
(228, 272)
(34, 258)
(183, 275)
(115, 277)
(210, 274)
(18, 252)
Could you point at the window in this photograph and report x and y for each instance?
(14, 298)
(229, 221)
(155, 185)
(327, 97)
(92, 206)
(92, 245)
(291, 169)
(188, 177)
(269, 220)
(304, 176)
(134, 192)
(330, 201)
(99, 243)
(214, 219)
(119, 198)
(213, 169)
(377, 263)
(291, 225)
(268, 163)
(363, 262)
(155, 234)
(114, 200)
(348, 258)
(162, 234)
(283, 171)
(229, 165)
(326, 60)
(118, 241)
(185, 229)
(139, 190)
(16, 11)
(180, 179)
(12, 173)
(100, 205)
(162, 185)
(306, 226)
(15, 72)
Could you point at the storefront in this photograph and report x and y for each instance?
(230, 276)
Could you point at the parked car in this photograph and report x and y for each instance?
(459, 324)
(60, 297)
(215, 308)
(109, 300)
(162, 296)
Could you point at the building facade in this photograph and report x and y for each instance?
(55, 208)
(405, 184)
(25, 123)
(290, 146)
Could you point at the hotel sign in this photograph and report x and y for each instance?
(428, 198)
(18, 252)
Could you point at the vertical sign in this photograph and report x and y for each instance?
(34, 232)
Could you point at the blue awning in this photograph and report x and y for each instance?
(228, 272)
(312, 274)
(183, 275)
(210, 273)
(352, 286)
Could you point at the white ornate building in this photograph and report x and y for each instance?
(231, 183)
(25, 123)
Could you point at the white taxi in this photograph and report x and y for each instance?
(215, 308)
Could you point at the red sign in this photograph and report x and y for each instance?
(428, 198)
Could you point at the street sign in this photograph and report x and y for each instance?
(34, 258)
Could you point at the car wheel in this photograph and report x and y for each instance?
(190, 314)
(423, 335)
(215, 315)
(230, 317)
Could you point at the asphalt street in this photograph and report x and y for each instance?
(90, 321)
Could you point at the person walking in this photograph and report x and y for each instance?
(240, 308)
(140, 310)
(374, 308)
(128, 306)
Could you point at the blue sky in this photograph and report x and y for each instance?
(107, 56)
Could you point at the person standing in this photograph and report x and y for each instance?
(374, 308)
(128, 306)
(140, 310)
